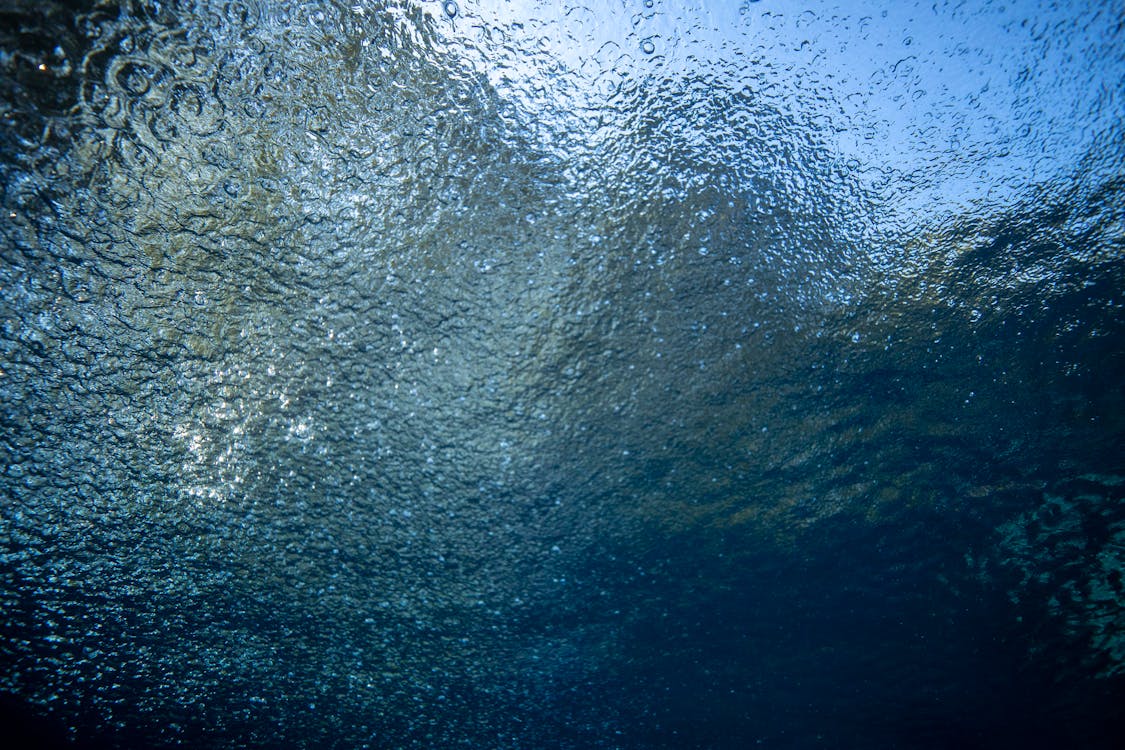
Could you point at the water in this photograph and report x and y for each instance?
(522, 375)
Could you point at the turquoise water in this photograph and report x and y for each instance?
(519, 375)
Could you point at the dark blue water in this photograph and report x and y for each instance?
(531, 375)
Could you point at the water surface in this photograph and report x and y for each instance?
(517, 375)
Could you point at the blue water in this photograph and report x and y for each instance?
(527, 375)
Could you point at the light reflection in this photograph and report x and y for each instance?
(938, 107)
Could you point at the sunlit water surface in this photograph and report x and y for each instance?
(635, 374)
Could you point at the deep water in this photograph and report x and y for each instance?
(544, 375)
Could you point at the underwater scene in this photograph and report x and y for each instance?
(519, 374)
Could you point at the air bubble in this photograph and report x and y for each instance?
(450, 8)
(648, 47)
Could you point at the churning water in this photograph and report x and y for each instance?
(629, 374)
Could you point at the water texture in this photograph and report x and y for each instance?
(634, 374)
